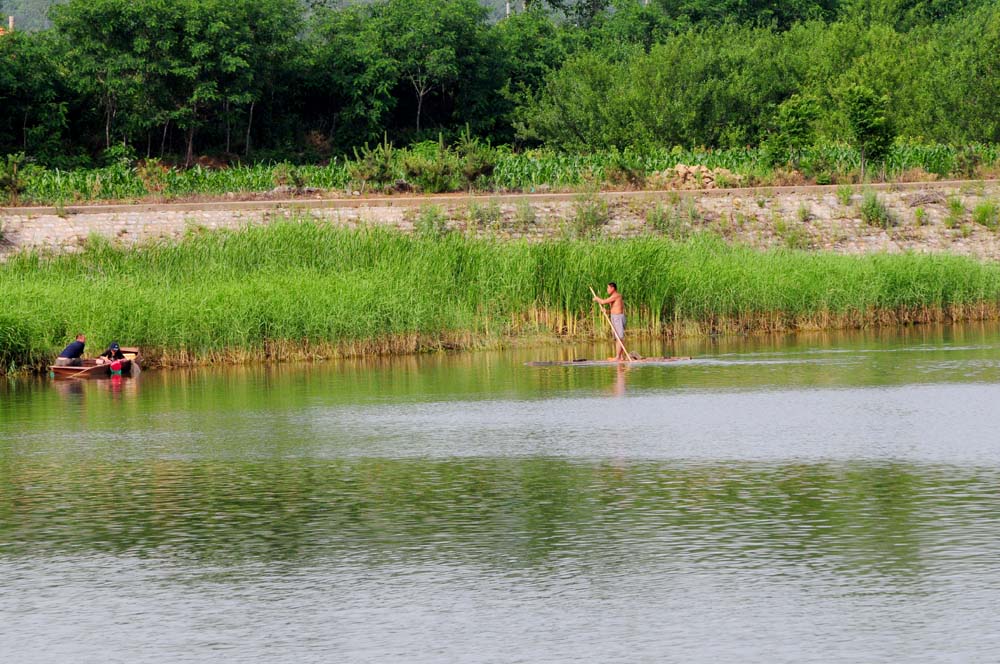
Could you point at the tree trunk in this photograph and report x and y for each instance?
(246, 148)
(420, 106)
(163, 141)
(190, 147)
(107, 127)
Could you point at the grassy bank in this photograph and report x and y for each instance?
(432, 168)
(308, 290)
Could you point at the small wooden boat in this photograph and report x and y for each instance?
(583, 362)
(91, 369)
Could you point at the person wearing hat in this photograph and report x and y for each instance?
(114, 352)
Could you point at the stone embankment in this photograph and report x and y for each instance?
(925, 217)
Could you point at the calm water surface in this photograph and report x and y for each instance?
(810, 499)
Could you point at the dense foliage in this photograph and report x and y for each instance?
(116, 80)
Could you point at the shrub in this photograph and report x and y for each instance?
(374, 167)
(485, 216)
(621, 171)
(524, 215)
(967, 162)
(590, 215)
(793, 235)
(287, 175)
(724, 181)
(430, 222)
(477, 159)
(153, 175)
(804, 213)
(118, 154)
(12, 178)
(666, 221)
(691, 211)
(987, 214)
(874, 211)
(920, 216)
(956, 212)
(845, 193)
(433, 167)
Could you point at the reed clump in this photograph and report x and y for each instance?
(309, 290)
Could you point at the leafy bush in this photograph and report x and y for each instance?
(875, 212)
(118, 154)
(956, 212)
(804, 213)
(667, 221)
(288, 175)
(987, 214)
(433, 167)
(793, 234)
(845, 193)
(967, 162)
(374, 167)
(486, 216)
(590, 215)
(430, 222)
(477, 159)
(524, 215)
(12, 180)
(153, 175)
(920, 216)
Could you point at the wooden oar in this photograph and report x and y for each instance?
(84, 370)
(628, 356)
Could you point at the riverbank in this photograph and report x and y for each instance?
(941, 217)
(308, 290)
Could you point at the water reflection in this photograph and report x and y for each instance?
(848, 518)
(815, 499)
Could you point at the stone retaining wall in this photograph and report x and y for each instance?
(798, 217)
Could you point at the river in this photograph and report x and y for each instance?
(819, 498)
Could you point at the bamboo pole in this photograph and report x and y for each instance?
(628, 356)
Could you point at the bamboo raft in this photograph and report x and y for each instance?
(584, 362)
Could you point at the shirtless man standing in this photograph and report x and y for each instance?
(617, 317)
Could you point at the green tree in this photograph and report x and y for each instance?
(434, 44)
(36, 99)
(794, 129)
(868, 123)
(782, 13)
(350, 77)
(111, 47)
(152, 62)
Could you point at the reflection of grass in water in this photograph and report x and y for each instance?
(311, 290)
(861, 517)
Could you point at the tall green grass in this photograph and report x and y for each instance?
(306, 289)
(507, 170)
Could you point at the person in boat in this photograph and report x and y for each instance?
(114, 352)
(71, 355)
(614, 298)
